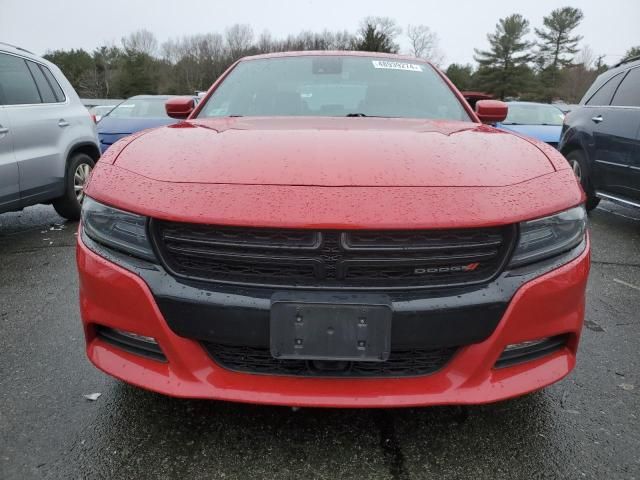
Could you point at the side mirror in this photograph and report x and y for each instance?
(179, 107)
(491, 111)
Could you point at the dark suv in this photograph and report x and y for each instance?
(601, 138)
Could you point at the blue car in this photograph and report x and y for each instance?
(538, 120)
(134, 114)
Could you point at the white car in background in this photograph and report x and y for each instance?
(48, 140)
(100, 111)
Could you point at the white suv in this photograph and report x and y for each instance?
(48, 140)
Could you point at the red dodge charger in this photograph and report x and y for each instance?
(333, 229)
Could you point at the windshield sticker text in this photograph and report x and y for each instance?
(410, 67)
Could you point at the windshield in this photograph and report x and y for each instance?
(524, 114)
(334, 86)
(140, 108)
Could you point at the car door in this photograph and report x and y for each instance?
(635, 169)
(37, 124)
(627, 102)
(9, 177)
(615, 127)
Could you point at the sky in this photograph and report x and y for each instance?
(609, 27)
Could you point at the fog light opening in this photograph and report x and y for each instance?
(529, 343)
(526, 351)
(131, 342)
(135, 336)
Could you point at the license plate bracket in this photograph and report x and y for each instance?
(326, 326)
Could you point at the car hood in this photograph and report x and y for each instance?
(333, 152)
(544, 133)
(125, 126)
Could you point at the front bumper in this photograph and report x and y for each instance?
(145, 300)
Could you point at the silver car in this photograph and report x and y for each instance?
(48, 140)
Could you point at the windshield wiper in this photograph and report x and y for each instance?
(370, 116)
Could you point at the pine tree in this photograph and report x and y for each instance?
(556, 45)
(377, 34)
(504, 69)
(461, 76)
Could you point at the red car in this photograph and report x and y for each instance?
(333, 229)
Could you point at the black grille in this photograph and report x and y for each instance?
(332, 259)
(401, 363)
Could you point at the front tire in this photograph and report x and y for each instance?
(77, 174)
(578, 164)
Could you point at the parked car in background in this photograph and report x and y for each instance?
(334, 229)
(601, 138)
(48, 141)
(565, 107)
(100, 111)
(134, 114)
(473, 97)
(537, 120)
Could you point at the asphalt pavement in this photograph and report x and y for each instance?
(586, 426)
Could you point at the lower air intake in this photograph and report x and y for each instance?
(527, 351)
(131, 343)
(401, 363)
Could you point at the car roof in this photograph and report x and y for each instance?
(621, 67)
(22, 52)
(7, 47)
(633, 61)
(336, 53)
(605, 76)
(151, 97)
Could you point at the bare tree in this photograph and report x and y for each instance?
(424, 43)
(197, 60)
(209, 46)
(342, 40)
(265, 42)
(576, 78)
(170, 51)
(142, 41)
(239, 39)
(585, 57)
(386, 25)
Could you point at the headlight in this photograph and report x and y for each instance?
(114, 228)
(545, 237)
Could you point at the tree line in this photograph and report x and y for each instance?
(142, 65)
(552, 66)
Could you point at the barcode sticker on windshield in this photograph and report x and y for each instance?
(410, 67)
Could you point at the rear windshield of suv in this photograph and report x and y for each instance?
(334, 86)
(140, 108)
(533, 114)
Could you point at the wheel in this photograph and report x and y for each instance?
(78, 170)
(579, 166)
